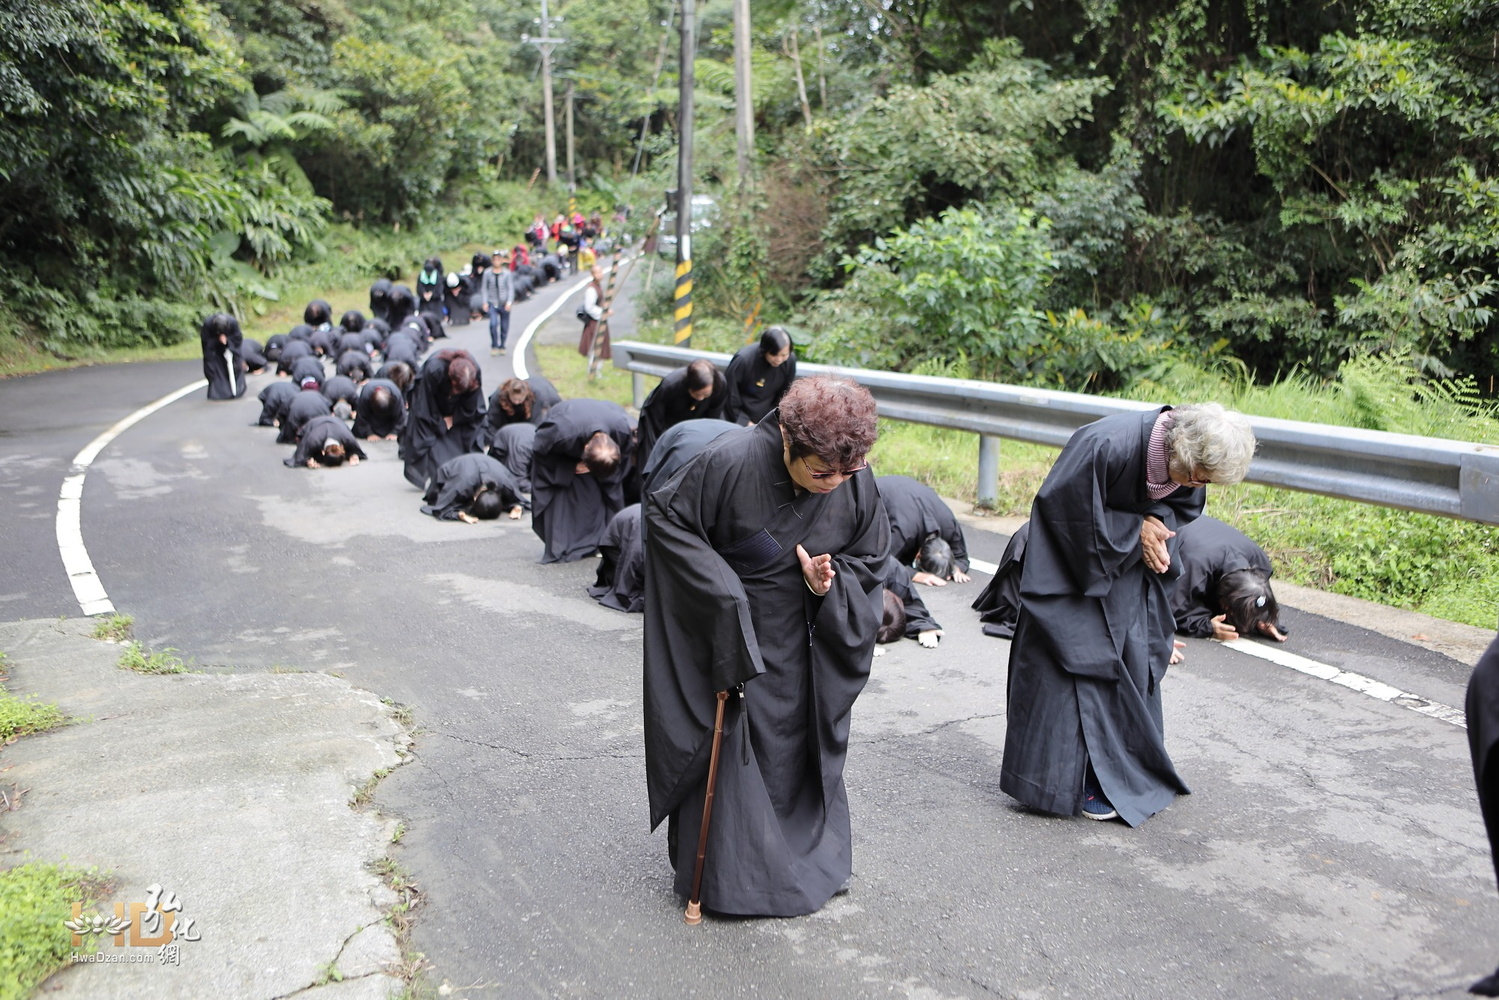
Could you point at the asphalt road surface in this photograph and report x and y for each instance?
(1331, 848)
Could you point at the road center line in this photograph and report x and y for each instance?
(75, 561)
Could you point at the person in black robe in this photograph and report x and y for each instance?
(513, 445)
(762, 578)
(379, 410)
(308, 404)
(399, 372)
(356, 365)
(380, 298)
(274, 344)
(301, 332)
(306, 368)
(222, 366)
(340, 389)
(998, 603)
(401, 346)
(918, 514)
(274, 399)
(325, 443)
(351, 342)
(1482, 711)
(400, 306)
(472, 488)
(678, 446)
(1223, 591)
(517, 400)
(695, 392)
(758, 376)
(919, 623)
(621, 578)
(446, 411)
(318, 315)
(324, 342)
(578, 465)
(294, 351)
(455, 299)
(253, 355)
(1093, 639)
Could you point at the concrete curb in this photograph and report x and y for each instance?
(231, 791)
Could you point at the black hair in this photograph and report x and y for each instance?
(893, 623)
(601, 454)
(936, 557)
(700, 375)
(401, 304)
(352, 321)
(317, 313)
(480, 260)
(334, 459)
(381, 401)
(486, 506)
(220, 325)
(774, 340)
(399, 372)
(1245, 596)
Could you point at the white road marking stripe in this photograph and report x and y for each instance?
(87, 588)
(519, 364)
(982, 567)
(1352, 681)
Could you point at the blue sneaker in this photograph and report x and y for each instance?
(1095, 804)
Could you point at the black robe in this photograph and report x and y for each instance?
(897, 579)
(356, 365)
(428, 442)
(274, 344)
(402, 347)
(1483, 740)
(291, 353)
(352, 341)
(367, 422)
(253, 355)
(340, 387)
(916, 513)
(569, 512)
(621, 580)
(998, 603)
(546, 397)
(380, 298)
(678, 446)
(670, 404)
(725, 605)
(1094, 634)
(456, 484)
(318, 432)
(324, 342)
(223, 367)
(308, 404)
(274, 399)
(305, 368)
(513, 445)
(755, 387)
(1207, 549)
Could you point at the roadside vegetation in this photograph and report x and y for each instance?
(36, 900)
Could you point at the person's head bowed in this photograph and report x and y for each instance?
(1208, 444)
(828, 426)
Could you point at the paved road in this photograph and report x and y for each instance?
(1332, 846)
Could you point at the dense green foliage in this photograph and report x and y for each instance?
(36, 900)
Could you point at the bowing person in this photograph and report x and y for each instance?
(579, 461)
(472, 488)
(758, 376)
(223, 367)
(326, 442)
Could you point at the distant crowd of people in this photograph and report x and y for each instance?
(739, 515)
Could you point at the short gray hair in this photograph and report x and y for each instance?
(1208, 437)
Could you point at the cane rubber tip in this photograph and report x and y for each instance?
(694, 914)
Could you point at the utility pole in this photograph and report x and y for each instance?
(744, 104)
(546, 43)
(682, 296)
(572, 177)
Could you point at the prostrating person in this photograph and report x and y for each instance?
(326, 442)
(1222, 592)
(306, 368)
(695, 392)
(1094, 637)
(472, 488)
(918, 621)
(274, 399)
(678, 446)
(581, 456)
(513, 445)
(253, 355)
(924, 532)
(446, 410)
(380, 298)
(356, 365)
(340, 389)
(762, 578)
(1482, 707)
(293, 351)
(309, 403)
(758, 376)
(516, 400)
(224, 369)
(620, 583)
(379, 411)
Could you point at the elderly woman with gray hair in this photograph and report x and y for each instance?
(1094, 635)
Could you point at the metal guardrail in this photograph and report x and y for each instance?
(1430, 475)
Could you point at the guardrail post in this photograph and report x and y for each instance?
(988, 485)
(637, 386)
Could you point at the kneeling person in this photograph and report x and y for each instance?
(326, 442)
(472, 488)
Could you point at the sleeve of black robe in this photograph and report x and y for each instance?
(319, 431)
(998, 604)
(1482, 712)
(699, 629)
(1207, 548)
(898, 582)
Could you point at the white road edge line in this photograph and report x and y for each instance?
(1322, 671)
(519, 364)
(75, 561)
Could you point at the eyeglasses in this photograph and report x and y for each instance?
(846, 473)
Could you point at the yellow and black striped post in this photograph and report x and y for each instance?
(682, 331)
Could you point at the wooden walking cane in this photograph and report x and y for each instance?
(694, 914)
(601, 328)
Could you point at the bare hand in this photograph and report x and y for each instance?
(929, 638)
(515, 513)
(1222, 630)
(448, 421)
(1176, 651)
(312, 463)
(817, 571)
(1153, 535)
(353, 459)
(373, 437)
(929, 579)
(958, 576)
(388, 437)
(581, 468)
(467, 518)
(1268, 629)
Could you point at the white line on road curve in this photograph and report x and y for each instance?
(519, 365)
(75, 561)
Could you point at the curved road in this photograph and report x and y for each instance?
(1332, 846)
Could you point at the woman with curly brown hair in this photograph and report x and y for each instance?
(762, 578)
